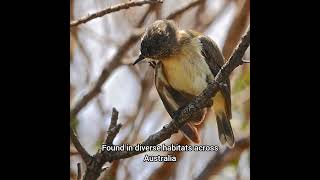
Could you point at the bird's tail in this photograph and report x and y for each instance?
(190, 129)
(190, 132)
(225, 130)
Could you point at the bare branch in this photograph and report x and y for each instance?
(115, 63)
(212, 19)
(145, 15)
(83, 153)
(199, 13)
(95, 167)
(219, 161)
(148, 107)
(183, 9)
(153, 7)
(112, 9)
(79, 171)
(85, 53)
(144, 105)
(114, 128)
(237, 28)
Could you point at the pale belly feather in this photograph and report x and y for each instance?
(188, 75)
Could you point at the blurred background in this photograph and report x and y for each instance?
(101, 51)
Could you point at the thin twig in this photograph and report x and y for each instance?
(85, 54)
(95, 167)
(237, 28)
(199, 13)
(79, 171)
(146, 86)
(136, 129)
(152, 7)
(112, 9)
(214, 17)
(115, 63)
(219, 161)
(183, 9)
(83, 153)
(145, 15)
(114, 128)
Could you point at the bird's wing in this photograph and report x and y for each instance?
(215, 60)
(173, 100)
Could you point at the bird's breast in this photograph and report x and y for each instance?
(188, 71)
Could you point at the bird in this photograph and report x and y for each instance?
(185, 61)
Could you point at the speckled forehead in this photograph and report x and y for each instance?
(158, 28)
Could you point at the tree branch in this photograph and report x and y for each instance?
(94, 168)
(212, 19)
(237, 28)
(219, 161)
(114, 63)
(111, 9)
(114, 128)
(183, 9)
(152, 7)
(83, 153)
(79, 171)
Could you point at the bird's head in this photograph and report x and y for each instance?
(159, 41)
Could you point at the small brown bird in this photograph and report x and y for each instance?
(186, 61)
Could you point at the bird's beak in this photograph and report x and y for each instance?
(140, 58)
